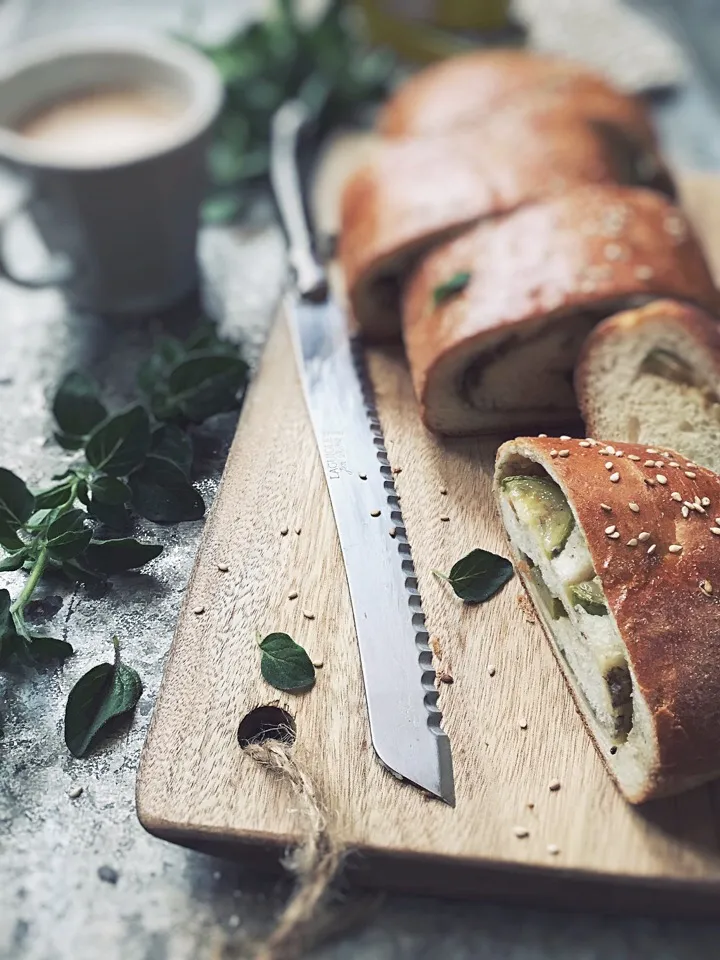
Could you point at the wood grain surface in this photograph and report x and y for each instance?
(196, 786)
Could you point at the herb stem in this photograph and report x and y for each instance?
(31, 582)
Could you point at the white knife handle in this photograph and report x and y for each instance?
(286, 126)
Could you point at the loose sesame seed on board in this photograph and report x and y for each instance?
(521, 832)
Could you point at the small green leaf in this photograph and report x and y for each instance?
(202, 386)
(117, 518)
(8, 538)
(13, 561)
(52, 497)
(45, 649)
(16, 501)
(285, 665)
(77, 407)
(103, 693)
(8, 635)
(68, 442)
(162, 493)
(451, 288)
(74, 570)
(110, 490)
(154, 371)
(67, 537)
(172, 443)
(120, 443)
(478, 576)
(115, 556)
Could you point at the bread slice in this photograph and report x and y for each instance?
(413, 194)
(494, 320)
(624, 577)
(652, 376)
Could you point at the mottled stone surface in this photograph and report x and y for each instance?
(79, 879)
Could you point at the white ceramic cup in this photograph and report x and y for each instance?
(123, 234)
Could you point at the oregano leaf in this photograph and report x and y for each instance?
(110, 490)
(77, 407)
(45, 649)
(116, 556)
(103, 693)
(163, 494)
(67, 536)
(172, 443)
(478, 576)
(16, 502)
(120, 443)
(13, 561)
(284, 664)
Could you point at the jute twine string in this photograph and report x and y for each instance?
(314, 863)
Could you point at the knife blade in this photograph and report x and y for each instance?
(399, 679)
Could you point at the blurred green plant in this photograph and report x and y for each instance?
(326, 63)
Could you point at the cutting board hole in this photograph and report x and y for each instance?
(266, 723)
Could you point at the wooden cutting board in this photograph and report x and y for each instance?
(197, 787)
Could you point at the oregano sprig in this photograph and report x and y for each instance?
(133, 462)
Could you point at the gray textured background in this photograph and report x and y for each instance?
(167, 902)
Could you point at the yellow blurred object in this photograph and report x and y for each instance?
(422, 29)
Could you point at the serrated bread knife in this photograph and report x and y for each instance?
(394, 652)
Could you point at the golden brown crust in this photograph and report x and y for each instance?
(587, 250)
(468, 88)
(668, 623)
(414, 193)
(696, 323)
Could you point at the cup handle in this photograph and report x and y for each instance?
(58, 271)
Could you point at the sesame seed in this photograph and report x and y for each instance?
(565, 437)
(687, 503)
(706, 587)
(491, 670)
(554, 785)
(717, 520)
(293, 595)
(648, 481)
(661, 479)
(609, 465)
(651, 549)
(521, 832)
(673, 463)
(223, 567)
(393, 531)
(613, 251)
(542, 436)
(298, 530)
(649, 463)
(631, 456)
(614, 477)
(563, 453)
(75, 792)
(642, 537)
(285, 531)
(553, 849)
(659, 463)
(675, 548)
(374, 513)
(690, 463)
(523, 723)
(676, 496)
(445, 677)
(705, 501)
(397, 469)
(604, 506)
(632, 542)
(699, 509)
(618, 453)
(615, 536)
(610, 530)
(443, 491)
(689, 473)
(445, 518)
(317, 663)
(685, 512)
(634, 507)
(363, 476)
(650, 450)
(553, 453)
(201, 609)
(308, 614)
(715, 530)
(590, 440)
(584, 443)
(644, 273)
(609, 449)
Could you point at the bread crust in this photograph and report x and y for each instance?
(587, 250)
(469, 88)
(668, 624)
(702, 327)
(415, 193)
